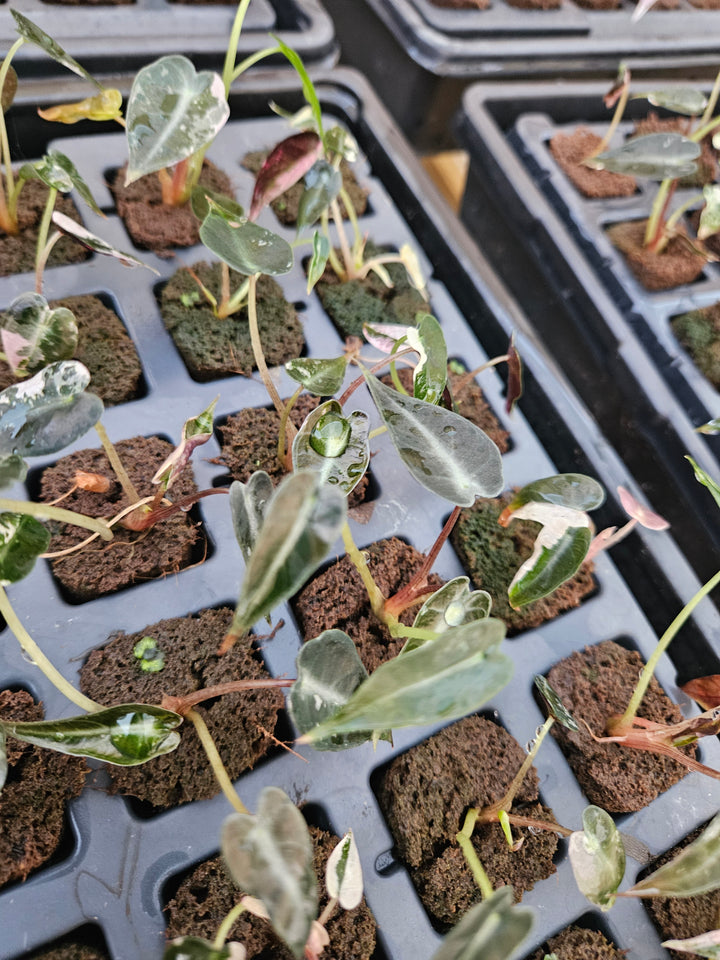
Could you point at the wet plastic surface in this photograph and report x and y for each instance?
(120, 862)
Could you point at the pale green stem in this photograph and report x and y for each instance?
(40, 660)
(227, 925)
(42, 236)
(396, 379)
(7, 162)
(252, 60)
(512, 790)
(42, 260)
(379, 261)
(703, 131)
(712, 101)
(347, 256)
(233, 41)
(414, 633)
(656, 212)
(215, 760)
(116, 464)
(663, 643)
(285, 424)
(377, 432)
(377, 600)
(257, 345)
(615, 122)
(473, 861)
(676, 214)
(235, 302)
(44, 511)
(352, 216)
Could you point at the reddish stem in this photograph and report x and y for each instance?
(358, 382)
(184, 703)
(142, 521)
(656, 242)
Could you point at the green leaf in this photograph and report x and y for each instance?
(329, 671)
(322, 185)
(200, 203)
(573, 490)
(34, 335)
(47, 412)
(700, 475)
(248, 502)
(245, 246)
(307, 85)
(706, 945)
(322, 378)
(173, 112)
(71, 228)
(597, 856)
(32, 33)
(60, 173)
(270, 856)
(657, 156)
(343, 875)
(334, 445)
(491, 930)
(125, 735)
(710, 215)
(711, 428)
(430, 374)
(339, 140)
(302, 521)
(452, 605)
(196, 431)
(320, 257)
(195, 948)
(3, 760)
(686, 100)
(695, 870)
(442, 680)
(13, 469)
(442, 450)
(557, 708)
(22, 540)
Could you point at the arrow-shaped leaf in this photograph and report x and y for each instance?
(60, 173)
(32, 33)
(322, 378)
(343, 874)
(196, 431)
(245, 246)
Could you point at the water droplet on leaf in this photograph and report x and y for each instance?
(330, 435)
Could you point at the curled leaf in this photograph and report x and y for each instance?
(343, 874)
(555, 705)
(645, 517)
(320, 257)
(71, 228)
(247, 506)
(711, 428)
(704, 690)
(287, 163)
(32, 33)
(515, 377)
(702, 477)
(597, 856)
(59, 173)
(196, 431)
(322, 185)
(105, 105)
(9, 89)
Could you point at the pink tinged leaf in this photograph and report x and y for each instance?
(316, 942)
(287, 163)
(621, 81)
(645, 517)
(515, 383)
(385, 336)
(599, 543)
(15, 347)
(704, 690)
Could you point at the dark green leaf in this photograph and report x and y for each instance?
(700, 475)
(657, 156)
(442, 450)
(322, 378)
(322, 185)
(200, 203)
(245, 246)
(573, 490)
(59, 172)
(125, 735)
(302, 521)
(334, 445)
(695, 870)
(286, 163)
(597, 856)
(71, 228)
(308, 88)
(173, 112)
(555, 705)
(448, 678)
(195, 948)
(13, 469)
(22, 540)
(270, 856)
(491, 930)
(34, 335)
(30, 32)
(686, 100)
(247, 506)
(320, 257)
(431, 372)
(558, 553)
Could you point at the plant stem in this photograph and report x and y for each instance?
(42, 236)
(663, 643)
(252, 60)
(473, 861)
(377, 600)
(712, 101)
(257, 345)
(227, 925)
(218, 768)
(615, 122)
(287, 428)
(42, 259)
(703, 131)
(349, 272)
(489, 813)
(233, 40)
(358, 381)
(40, 660)
(116, 464)
(352, 216)
(44, 511)
(186, 702)
(10, 207)
(654, 232)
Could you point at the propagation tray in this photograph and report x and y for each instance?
(115, 874)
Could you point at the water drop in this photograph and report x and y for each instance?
(330, 435)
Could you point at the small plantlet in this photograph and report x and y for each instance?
(151, 657)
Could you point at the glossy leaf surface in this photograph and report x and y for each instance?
(105, 105)
(343, 875)
(247, 506)
(329, 671)
(573, 490)
(270, 856)
(245, 246)
(34, 335)
(322, 378)
(22, 540)
(448, 678)
(702, 477)
(45, 413)
(597, 856)
(491, 930)
(302, 521)
(71, 228)
(286, 163)
(657, 156)
(555, 705)
(443, 451)
(686, 100)
(32, 33)
(453, 605)
(430, 375)
(172, 112)
(195, 948)
(333, 445)
(60, 173)
(196, 431)
(202, 200)
(322, 185)
(695, 870)
(125, 735)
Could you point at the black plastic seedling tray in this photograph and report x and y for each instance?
(117, 864)
(437, 52)
(138, 32)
